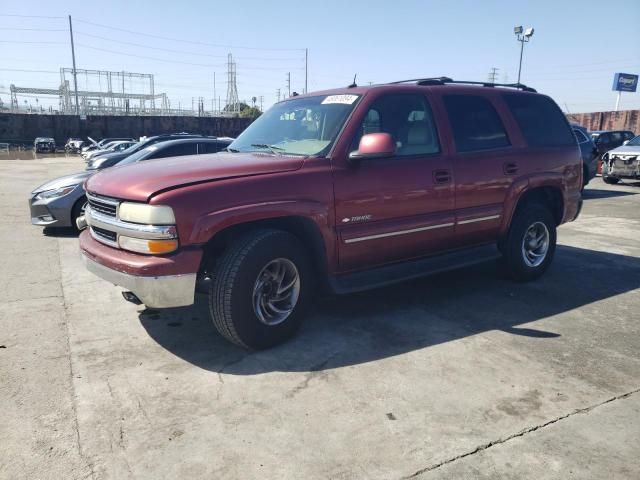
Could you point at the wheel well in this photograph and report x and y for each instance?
(303, 228)
(550, 197)
(73, 209)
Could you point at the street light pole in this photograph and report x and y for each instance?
(523, 36)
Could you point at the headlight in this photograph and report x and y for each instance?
(55, 193)
(146, 214)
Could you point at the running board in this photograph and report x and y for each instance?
(399, 272)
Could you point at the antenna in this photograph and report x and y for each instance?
(354, 84)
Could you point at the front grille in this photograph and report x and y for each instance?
(106, 208)
(106, 234)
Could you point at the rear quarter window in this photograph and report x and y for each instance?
(540, 120)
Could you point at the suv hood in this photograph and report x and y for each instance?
(625, 150)
(66, 181)
(140, 181)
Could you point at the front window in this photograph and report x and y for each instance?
(303, 126)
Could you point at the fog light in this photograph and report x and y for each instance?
(47, 218)
(142, 245)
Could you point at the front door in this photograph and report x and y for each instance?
(400, 207)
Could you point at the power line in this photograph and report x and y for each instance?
(32, 42)
(182, 52)
(27, 16)
(186, 41)
(34, 29)
(29, 71)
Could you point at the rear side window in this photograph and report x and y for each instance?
(540, 120)
(175, 151)
(475, 123)
(580, 137)
(209, 147)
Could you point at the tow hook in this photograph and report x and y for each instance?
(81, 222)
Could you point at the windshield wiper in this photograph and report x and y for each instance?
(232, 150)
(273, 148)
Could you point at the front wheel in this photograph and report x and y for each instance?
(610, 180)
(259, 290)
(78, 211)
(530, 244)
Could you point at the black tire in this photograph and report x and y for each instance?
(514, 262)
(231, 291)
(610, 180)
(78, 210)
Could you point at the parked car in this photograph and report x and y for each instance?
(98, 145)
(606, 140)
(588, 152)
(110, 159)
(73, 145)
(346, 189)
(44, 144)
(622, 162)
(115, 146)
(59, 202)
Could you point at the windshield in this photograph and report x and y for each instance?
(137, 156)
(635, 141)
(304, 126)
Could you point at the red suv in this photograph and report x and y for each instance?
(346, 190)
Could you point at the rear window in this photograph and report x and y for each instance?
(541, 121)
(475, 123)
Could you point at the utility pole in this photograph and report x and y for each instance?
(289, 84)
(493, 75)
(214, 93)
(75, 75)
(306, 70)
(278, 92)
(261, 102)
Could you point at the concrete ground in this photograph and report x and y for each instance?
(463, 375)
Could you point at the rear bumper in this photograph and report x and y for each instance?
(158, 281)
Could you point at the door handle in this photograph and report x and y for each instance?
(510, 168)
(441, 176)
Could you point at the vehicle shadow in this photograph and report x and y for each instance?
(365, 327)
(596, 193)
(60, 232)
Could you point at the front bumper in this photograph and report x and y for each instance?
(155, 292)
(158, 281)
(622, 167)
(55, 212)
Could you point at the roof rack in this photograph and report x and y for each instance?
(445, 80)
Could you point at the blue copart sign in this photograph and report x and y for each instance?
(625, 82)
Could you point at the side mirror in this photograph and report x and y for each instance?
(625, 142)
(374, 145)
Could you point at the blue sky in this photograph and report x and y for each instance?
(577, 45)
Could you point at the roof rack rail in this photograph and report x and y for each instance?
(445, 80)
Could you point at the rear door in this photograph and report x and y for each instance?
(485, 164)
(399, 207)
(177, 150)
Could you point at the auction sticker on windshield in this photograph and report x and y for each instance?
(346, 99)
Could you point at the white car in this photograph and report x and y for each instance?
(622, 162)
(110, 147)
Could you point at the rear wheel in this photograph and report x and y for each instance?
(259, 289)
(530, 244)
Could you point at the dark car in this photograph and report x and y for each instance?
(606, 140)
(588, 151)
(110, 159)
(44, 144)
(59, 202)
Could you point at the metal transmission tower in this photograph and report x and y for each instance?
(233, 104)
(288, 84)
(493, 75)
